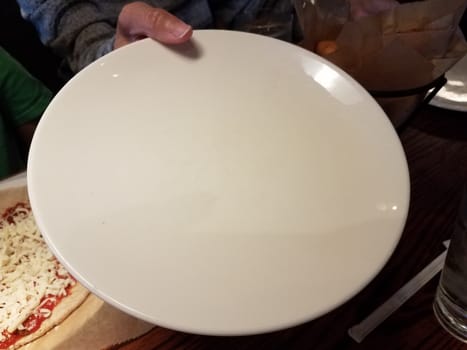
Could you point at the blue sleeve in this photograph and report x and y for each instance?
(80, 31)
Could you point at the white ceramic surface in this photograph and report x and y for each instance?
(235, 185)
(453, 95)
(17, 180)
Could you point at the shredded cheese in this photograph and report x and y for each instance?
(29, 273)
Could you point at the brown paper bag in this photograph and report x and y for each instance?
(406, 47)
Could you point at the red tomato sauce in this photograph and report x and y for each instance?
(9, 214)
(33, 322)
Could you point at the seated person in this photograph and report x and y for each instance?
(82, 31)
(23, 99)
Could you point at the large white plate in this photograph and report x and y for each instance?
(235, 185)
(453, 95)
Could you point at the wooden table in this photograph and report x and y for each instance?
(435, 142)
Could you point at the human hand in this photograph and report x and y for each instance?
(363, 8)
(139, 20)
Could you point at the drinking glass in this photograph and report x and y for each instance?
(450, 305)
(275, 19)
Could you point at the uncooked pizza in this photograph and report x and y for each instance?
(36, 292)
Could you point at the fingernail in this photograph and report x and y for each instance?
(179, 29)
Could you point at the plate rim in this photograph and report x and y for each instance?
(136, 313)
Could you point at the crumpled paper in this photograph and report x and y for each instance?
(406, 47)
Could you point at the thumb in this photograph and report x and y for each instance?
(138, 20)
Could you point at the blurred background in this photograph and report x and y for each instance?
(18, 37)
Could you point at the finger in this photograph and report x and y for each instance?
(137, 20)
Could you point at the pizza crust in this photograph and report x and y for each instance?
(68, 304)
(94, 325)
(63, 309)
(11, 196)
(81, 321)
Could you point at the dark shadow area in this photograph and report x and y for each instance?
(191, 49)
(19, 38)
(442, 123)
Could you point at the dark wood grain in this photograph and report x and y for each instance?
(435, 142)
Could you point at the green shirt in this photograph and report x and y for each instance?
(23, 99)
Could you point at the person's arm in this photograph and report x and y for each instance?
(23, 99)
(82, 31)
(78, 31)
